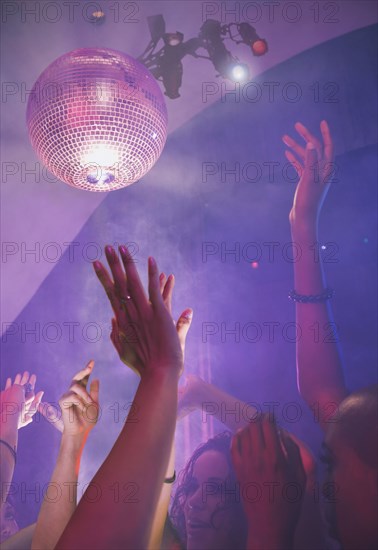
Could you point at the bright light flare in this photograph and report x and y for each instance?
(239, 73)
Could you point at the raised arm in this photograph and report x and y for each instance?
(319, 369)
(18, 405)
(131, 477)
(79, 415)
(120, 335)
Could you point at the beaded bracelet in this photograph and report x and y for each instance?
(171, 479)
(13, 451)
(327, 294)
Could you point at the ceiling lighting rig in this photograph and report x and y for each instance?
(165, 63)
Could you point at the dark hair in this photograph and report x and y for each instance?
(220, 443)
(357, 424)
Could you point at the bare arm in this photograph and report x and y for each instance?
(162, 507)
(134, 469)
(79, 414)
(119, 336)
(18, 404)
(139, 459)
(319, 367)
(232, 412)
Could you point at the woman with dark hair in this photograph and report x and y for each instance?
(207, 511)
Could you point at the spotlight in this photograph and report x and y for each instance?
(239, 73)
(259, 46)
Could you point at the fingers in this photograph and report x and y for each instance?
(162, 280)
(308, 137)
(154, 293)
(17, 379)
(311, 163)
(327, 140)
(8, 384)
(249, 442)
(167, 292)
(272, 438)
(290, 142)
(32, 382)
(72, 398)
(24, 378)
(81, 392)
(32, 407)
(108, 285)
(83, 375)
(183, 325)
(257, 436)
(119, 277)
(94, 389)
(294, 458)
(295, 162)
(135, 287)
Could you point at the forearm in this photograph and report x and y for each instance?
(55, 514)
(9, 434)
(226, 408)
(162, 507)
(236, 414)
(319, 369)
(136, 466)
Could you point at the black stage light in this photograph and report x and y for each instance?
(224, 62)
(156, 25)
(259, 46)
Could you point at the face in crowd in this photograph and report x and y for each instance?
(206, 511)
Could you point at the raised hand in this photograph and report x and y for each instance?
(21, 394)
(315, 166)
(271, 462)
(124, 295)
(52, 415)
(80, 408)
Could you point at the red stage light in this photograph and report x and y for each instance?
(260, 47)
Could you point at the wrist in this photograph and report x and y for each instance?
(161, 372)
(9, 431)
(307, 226)
(73, 443)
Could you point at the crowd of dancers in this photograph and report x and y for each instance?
(249, 487)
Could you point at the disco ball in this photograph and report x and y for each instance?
(97, 119)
